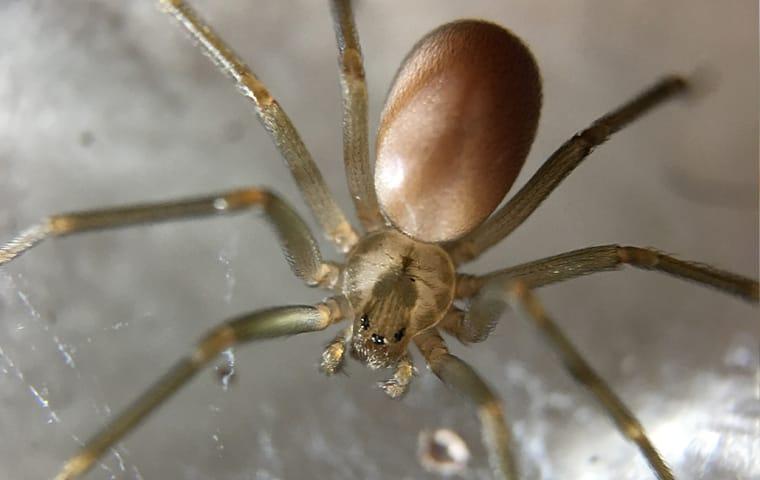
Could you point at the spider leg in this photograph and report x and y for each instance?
(334, 354)
(460, 376)
(486, 309)
(557, 167)
(398, 384)
(355, 131)
(611, 257)
(299, 246)
(465, 327)
(271, 323)
(275, 121)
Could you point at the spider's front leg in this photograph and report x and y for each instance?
(397, 385)
(334, 355)
(484, 312)
(263, 324)
(492, 292)
(461, 377)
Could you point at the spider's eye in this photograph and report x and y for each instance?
(399, 335)
(364, 322)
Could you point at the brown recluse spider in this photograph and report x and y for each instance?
(455, 131)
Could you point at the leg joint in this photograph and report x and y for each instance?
(633, 430)
(351, 65)
(247, 197)
(594, 135)
(639, 257)
(217, 340)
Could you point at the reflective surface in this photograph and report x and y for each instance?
(106, 104)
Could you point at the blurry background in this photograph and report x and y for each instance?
(106, 102)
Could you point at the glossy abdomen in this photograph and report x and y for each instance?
(456, 128)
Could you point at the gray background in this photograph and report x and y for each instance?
(105, 102)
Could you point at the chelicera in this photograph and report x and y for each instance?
(456, 128)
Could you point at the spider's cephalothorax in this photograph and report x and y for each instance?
(396, 287)
(455, 130)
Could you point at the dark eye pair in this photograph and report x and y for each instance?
(364, 323)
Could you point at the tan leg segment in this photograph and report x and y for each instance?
(611, 257)
(275, 322)
(458, 323)
(334, 354)
(557, 167)
(353, 87)
(274, 120)
(486, 309)
(397, 385)
(461, 377)
(299, 246)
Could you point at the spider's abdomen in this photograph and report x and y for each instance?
(456, 128)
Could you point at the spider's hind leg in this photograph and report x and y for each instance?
(355, 131)
(310, 181)
(561, 163)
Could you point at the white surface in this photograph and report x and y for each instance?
(87, 322)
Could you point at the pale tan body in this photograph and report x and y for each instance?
(395, 289)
